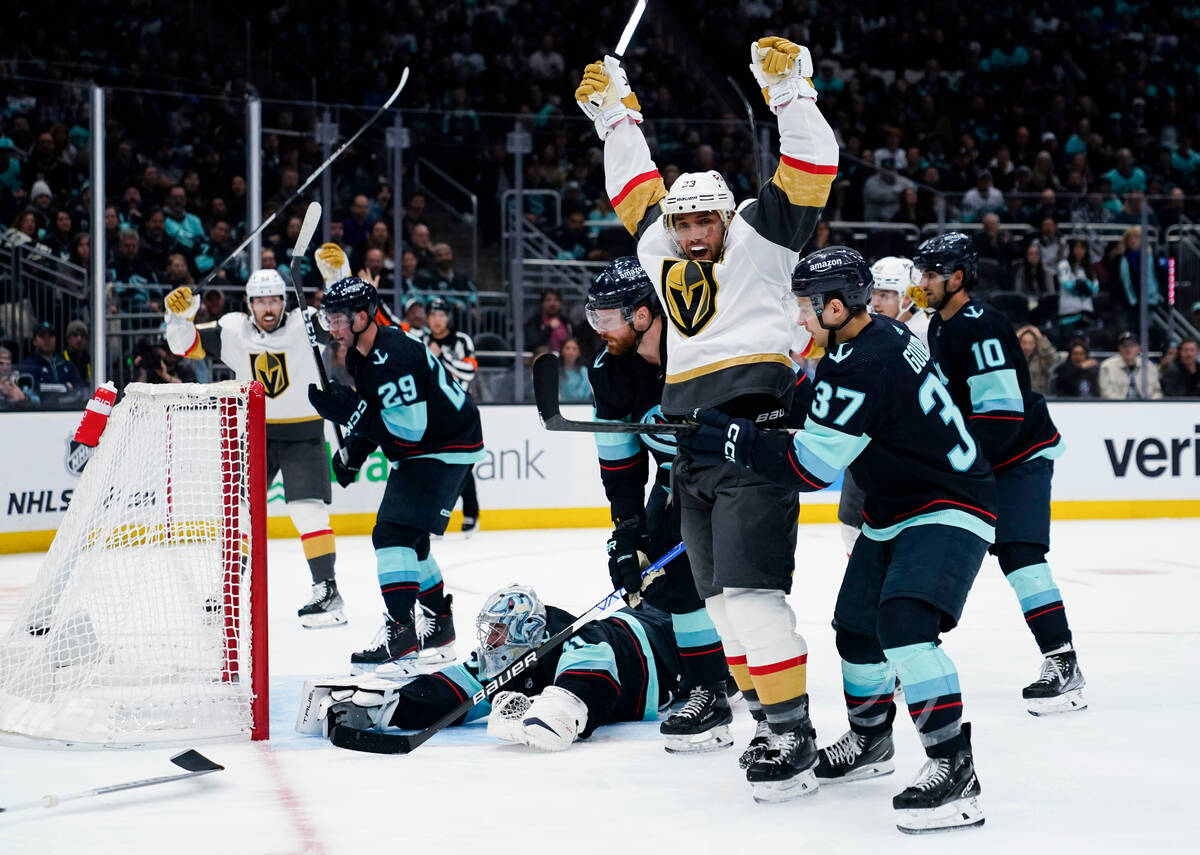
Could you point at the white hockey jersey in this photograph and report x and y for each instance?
(730, 321)
(281, 360)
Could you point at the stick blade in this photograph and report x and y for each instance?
(193, 761)
(545, 387)
(308, 228)
(399, 88)
(369, 741)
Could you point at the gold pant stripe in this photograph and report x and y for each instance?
(741, 675)
(780, 686)
(713, 367)
(315, 547)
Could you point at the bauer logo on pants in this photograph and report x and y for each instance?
(689, 292)
(270, 369)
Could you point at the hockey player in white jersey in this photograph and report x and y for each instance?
(271, 345)
(723, 276)
(897, 295)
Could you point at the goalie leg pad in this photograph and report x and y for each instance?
(321, 694)
(555, 718)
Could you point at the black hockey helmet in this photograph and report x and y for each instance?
(437, 304)
(835, 271)
(349, 296)
(947, 253)
(624, 285)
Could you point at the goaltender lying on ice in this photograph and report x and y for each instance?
(623, 667)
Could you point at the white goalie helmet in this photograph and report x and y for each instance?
(265, 283)
(898, 275)
(698, 191)
(511, 622)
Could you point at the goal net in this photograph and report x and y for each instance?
(147, 620)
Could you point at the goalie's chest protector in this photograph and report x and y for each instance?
(282, 361)
(728, 329)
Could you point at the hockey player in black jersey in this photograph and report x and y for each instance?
(405, 404)
(620, 668)
(627, 383)
(880, 410)
(976, 353)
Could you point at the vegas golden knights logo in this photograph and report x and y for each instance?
(270, 369)
(689, 292)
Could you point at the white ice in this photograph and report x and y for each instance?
(1119, 777)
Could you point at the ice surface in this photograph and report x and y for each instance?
(1120, 777)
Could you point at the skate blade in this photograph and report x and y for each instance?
(713, 739)
(323, 620)
(872, 770)
(1067, 702)
(777, 792)
(438, 655)
(959, 814)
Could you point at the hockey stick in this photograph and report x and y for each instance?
(545, 394)
(635, 18)
(192, 760)
(753, 129)
(311, 178)
(376, 742)
(312, 217)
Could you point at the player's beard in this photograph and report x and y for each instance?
(622, 344)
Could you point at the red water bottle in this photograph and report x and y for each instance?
(95, 415)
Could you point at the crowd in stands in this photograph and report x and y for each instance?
(1028, 120)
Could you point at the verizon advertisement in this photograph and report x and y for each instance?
(1116, 452)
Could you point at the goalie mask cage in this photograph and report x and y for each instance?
(147, 622)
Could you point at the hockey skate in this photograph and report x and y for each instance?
(701, 724)
(1059, 688)
(435, 633)
(855, 757)
(469, 525)
(396, 644)
(325, 608)
(785, 770)
(943, 797)
(758, 745)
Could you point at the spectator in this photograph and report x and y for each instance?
(1131, 211)
(55, 381)
(380, 237)
(444, 279)
(1030, 276)
(408, 274)
(267, 259)
(891, 149)
(422, 247)
(44, 165)
(573, 385)
(134, 279)
(982, 199)
(355, 224)
(24, 229)
(1125, 176)
(1128, 278)
(176, 272)
(148, 367)
(546, 63)
(43, 206)
(414, 318)
(995, 243)
(157, 245)
(1121, 375)
(1181, 379)
(14, 388)
(1040, 356)
(216, 249)
(212, 306)
(61, 235)
(81, 251)
(414, 215)
(574, 241)
(373, 270)
(1078, 375)
(1051, 244)
(548, 329)
(1077, 285)
(77, 352)
(909, 210)
(184, 227)
(881, 193)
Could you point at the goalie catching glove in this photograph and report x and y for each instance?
(605, 97)
(783, 70)
(182, 303)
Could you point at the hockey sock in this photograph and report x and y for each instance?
(700, 649)
(311, 518)
(776, 656)
(735, 655)
(431, 590)
(868, 681)
(398, 571)
(932, 694)
(1025, 568)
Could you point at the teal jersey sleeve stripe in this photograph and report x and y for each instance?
(959, 519)
(589, 657)
(407, 422)
(615, 446)
(456, 456)
(996, 390)
(825, 452)
(465, 680)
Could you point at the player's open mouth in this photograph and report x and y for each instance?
(698, 251)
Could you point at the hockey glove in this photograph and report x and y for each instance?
(331, 261)
(627, 559)
(337, 404)
(605, 97)
(783, 70)
(344, 473)
(554, 720)
(182, 303)
(719, 438)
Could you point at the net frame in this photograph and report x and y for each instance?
(179, 652)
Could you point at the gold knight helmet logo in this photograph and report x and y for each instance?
(690, 293)
(270, 369)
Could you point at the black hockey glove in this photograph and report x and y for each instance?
(627, 559)
(337, 404)
(719, 438)
(345, 473)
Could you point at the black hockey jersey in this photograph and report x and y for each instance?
(413, 402)
(978, 358)
(879, 409)
(623, 667)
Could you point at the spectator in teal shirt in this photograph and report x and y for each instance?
(1126, 176)
(185, 228)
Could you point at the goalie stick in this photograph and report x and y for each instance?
(312, 218)
(545, 394)
(376, 742)
(311, 178)
(192, 760)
